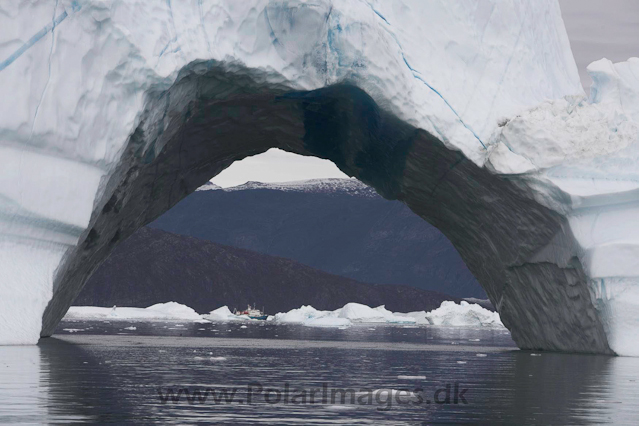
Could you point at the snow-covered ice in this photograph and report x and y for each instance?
(159, 311)
(301, 315)
(448, 314)
(463, 314)
(357, 312)
(224, 314)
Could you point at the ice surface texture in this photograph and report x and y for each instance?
(470, 112)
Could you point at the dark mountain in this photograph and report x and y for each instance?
(338, 226)
(154, 266)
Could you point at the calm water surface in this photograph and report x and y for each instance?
(98, 372)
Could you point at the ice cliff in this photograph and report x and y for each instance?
(470, 112)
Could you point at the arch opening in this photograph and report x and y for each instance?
(215, 114)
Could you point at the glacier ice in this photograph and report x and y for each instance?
(357, 312)
(471, 113)
(463, 314)
(448, 314)
(159, 311)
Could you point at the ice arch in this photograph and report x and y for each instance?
(121, 109)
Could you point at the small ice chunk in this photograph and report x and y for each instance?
(224, 314)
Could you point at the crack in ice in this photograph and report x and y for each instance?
(44, 91)
(417, 75)
(75, 6)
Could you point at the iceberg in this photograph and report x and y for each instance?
(357, 312)
(449, 313)
(463, 314)
(306, 315)
(159, 311)
(224, 314)
(474, 116)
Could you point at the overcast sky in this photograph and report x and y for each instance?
(596, 29)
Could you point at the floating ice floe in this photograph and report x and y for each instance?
(448, 314)
(301, 315)
(224, 314)
(460, 315)
(342, 317)
(159, 311)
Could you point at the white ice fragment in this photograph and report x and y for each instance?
(159, 311)
(224, 314)
(460, 315)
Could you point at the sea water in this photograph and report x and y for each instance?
(174, 372)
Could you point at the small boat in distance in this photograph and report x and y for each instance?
(252, 312)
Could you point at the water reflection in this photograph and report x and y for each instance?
(23, 398)
(115, 379)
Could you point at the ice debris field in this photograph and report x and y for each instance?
(448, 314)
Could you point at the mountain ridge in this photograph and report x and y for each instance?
(154, 266)
(340, 226)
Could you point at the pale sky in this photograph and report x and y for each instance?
(596, 29)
